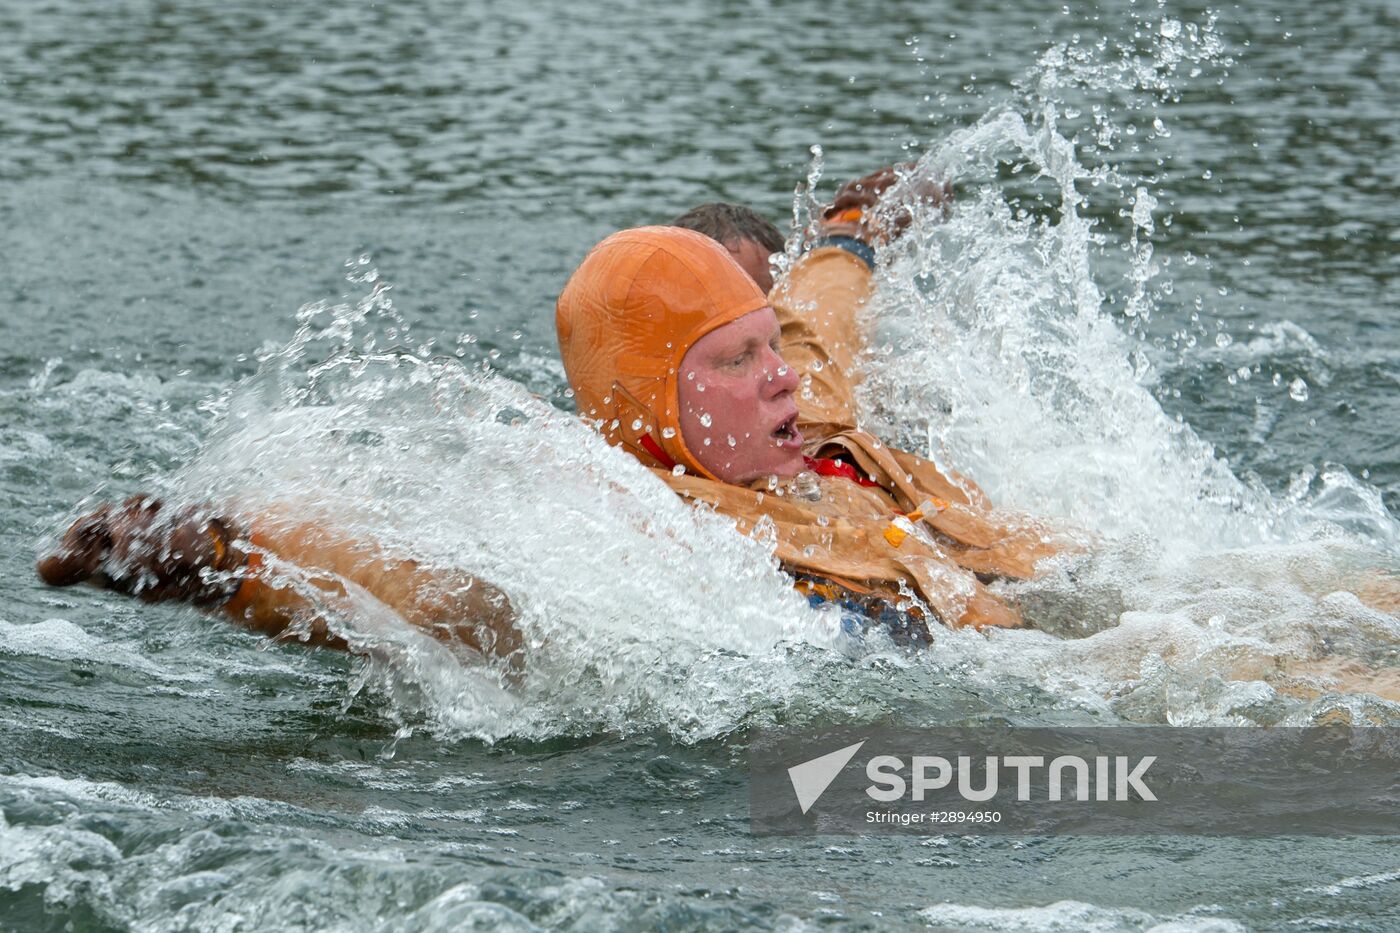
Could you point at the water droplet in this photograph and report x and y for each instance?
(668, 432)
(677, 470)
(1223, 340)
(637, 425)
(732, 441)
(1298, 390)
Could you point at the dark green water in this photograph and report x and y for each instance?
(179, 177)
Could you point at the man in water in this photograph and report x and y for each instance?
(750, 238)
(677, 356)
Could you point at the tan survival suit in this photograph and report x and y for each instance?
(643, 297)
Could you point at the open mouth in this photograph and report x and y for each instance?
(786, 434)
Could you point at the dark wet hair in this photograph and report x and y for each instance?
(728, 222)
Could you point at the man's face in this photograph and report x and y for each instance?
(752, 257)
(738, 414)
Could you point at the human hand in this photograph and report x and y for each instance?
(857, 209)
(135, 549)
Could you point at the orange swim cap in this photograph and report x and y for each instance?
(634, 306)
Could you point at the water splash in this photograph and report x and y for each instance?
(997, 346)
(666, 617)
(993, 342)
(996, 351)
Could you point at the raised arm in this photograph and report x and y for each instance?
(819, 301)
(819, 304)
(271, 574)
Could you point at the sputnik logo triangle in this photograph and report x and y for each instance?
(811, 778)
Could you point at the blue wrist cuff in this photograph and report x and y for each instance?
(857, 248)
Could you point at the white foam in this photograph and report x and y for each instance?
(639, 610)
(1069, 916)
(1358, 883)
(61, 640)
